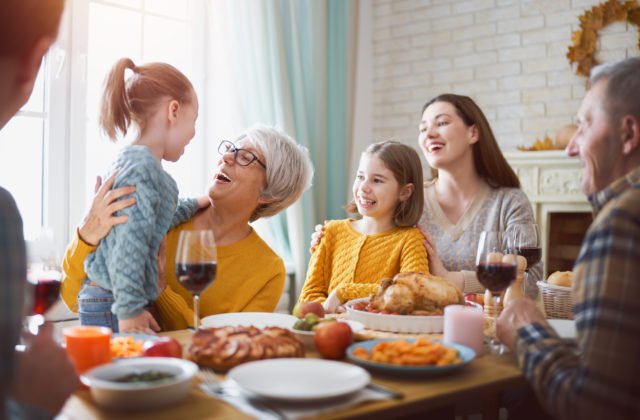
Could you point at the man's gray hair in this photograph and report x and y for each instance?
(622, 94)
(289, 168)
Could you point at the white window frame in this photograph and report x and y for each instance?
(66, 174)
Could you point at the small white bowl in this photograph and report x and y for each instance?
(307, 336)
(110, 394)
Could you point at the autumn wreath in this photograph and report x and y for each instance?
(583, 48)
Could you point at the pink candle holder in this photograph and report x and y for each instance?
(465, 325)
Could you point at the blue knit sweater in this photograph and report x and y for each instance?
(125, 261)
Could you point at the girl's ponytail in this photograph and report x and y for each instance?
(115, 111)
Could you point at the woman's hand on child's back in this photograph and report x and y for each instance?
(143, 323)
(316, 236)
(435, 263)
(436, 266)
(101, 216)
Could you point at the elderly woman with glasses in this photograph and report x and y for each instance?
(260, 174)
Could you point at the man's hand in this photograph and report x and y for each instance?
(517, 314)
(44, 376)
(100, 219)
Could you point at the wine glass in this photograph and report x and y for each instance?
(196, 264)
(525, 238)
(495, 272)
(44, 279)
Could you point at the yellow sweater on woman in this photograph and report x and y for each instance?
(250, 278)
(353, 264)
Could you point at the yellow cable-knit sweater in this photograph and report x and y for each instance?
(354, 264)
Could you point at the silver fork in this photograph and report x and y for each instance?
(211, 385)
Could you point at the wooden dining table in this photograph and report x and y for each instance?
(479, 385)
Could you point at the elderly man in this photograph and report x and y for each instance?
(598, 375)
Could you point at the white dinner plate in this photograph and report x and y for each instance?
(257, 319)
(299, 380)
(566, 328)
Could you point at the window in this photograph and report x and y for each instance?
(56, 133)
(23, 142)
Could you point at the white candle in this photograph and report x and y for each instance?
(464, 325)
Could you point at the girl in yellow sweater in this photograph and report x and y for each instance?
(354, 254)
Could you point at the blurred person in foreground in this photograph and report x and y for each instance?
(596, 375)
(27, 30)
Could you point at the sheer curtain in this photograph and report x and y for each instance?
(287, 63)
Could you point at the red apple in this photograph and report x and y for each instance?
(162, 347)
(332, 339)
(303, 308)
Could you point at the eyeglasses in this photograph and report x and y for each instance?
(243, 157)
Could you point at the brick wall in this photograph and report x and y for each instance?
(507, 55)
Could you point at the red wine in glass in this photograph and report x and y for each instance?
(46, 293)
(196, 277)
(495, 272)
(496, 276)
(196, 264)
(532, 254)
(42, 293)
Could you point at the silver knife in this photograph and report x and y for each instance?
(396, 395)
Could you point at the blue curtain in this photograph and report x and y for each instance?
(290, 66)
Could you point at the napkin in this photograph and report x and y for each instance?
(274, 410)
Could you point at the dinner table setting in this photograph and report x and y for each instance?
(416, 347)
(309, 386)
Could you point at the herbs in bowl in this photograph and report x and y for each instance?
(140, 383)
(144, 377)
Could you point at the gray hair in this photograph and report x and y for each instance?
(622, 93)
(289, 168)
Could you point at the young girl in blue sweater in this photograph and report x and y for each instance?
(122, 273)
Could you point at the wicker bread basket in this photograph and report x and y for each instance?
(557, 300)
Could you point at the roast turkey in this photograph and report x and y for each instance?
(416, 294)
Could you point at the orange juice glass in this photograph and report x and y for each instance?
(88, 346)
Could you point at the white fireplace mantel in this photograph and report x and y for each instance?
(551, 180)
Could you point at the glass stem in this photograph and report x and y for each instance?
(496, 307)
(196, 311)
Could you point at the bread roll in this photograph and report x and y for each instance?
(561, 278)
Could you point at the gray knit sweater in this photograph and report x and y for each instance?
(457, 245)
(125, 261)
